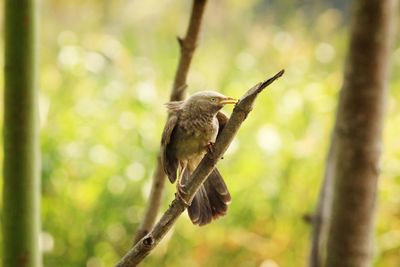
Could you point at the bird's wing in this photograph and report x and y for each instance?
(222, 120)
(168, 159)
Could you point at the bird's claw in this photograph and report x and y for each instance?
(210, 147)
(181, 193)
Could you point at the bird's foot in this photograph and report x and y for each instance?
(181, 193)
(210, 147)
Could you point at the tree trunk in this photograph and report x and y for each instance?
(21, 188)
(358, 133)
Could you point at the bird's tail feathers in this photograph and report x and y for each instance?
(211, 200)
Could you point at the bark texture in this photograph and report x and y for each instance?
(187, 47)
(358, 134)
(21, 188)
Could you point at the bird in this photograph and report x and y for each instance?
(189, 133)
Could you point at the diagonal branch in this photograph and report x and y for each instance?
(187, 47)
(177, 207)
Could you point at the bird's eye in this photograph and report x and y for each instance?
(213, 99)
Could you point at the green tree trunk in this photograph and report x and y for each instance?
(358, 134)
(21, 187)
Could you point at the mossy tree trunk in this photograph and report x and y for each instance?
(21, 187)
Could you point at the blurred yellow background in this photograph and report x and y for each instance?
(106, 70)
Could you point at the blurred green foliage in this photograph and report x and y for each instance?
(106, 70)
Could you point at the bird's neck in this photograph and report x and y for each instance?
(196, 119)
(196, 113)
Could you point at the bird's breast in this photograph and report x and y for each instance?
(193, 137)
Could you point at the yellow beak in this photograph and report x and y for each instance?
(228, 100)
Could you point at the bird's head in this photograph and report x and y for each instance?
(209, 101)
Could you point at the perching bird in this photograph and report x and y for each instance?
(192, 128)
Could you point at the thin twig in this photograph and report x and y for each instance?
(176, 208)
(154, 202)
(187, 47)
(320, 220)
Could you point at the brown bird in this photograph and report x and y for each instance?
(192, 128)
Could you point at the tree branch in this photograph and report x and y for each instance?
(187, 45)
(177, 207)
(187, 48)
(321, 218)
(154, 202)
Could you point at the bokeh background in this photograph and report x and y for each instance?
(106, 70)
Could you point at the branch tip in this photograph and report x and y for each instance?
(258, 88)
(271, 80)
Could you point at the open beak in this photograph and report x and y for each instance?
(228, 100)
